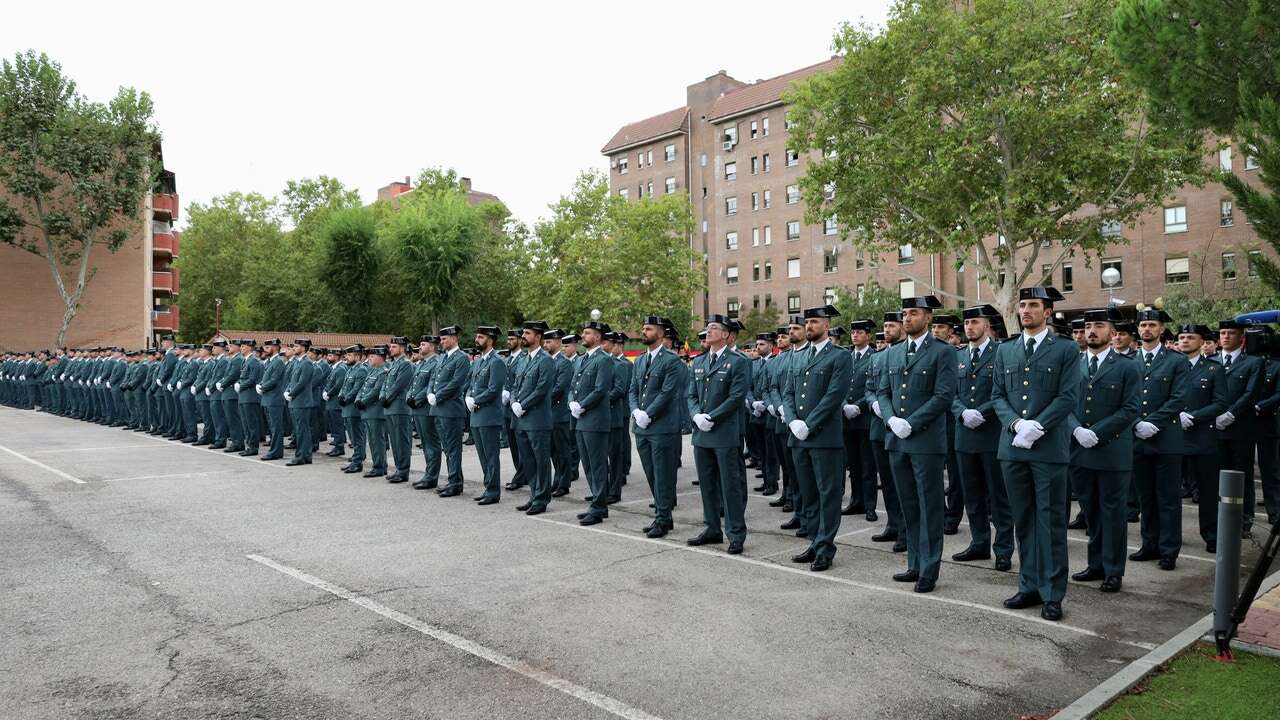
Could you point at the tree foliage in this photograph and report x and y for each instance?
(871, 304)
(348, 240)
(760, 320)
(75, 172)
(1012, 119)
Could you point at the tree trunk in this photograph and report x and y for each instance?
(68, 312)
(1005, 299)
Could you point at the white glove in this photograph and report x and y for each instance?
(431, 399)
(179, 385)
(1086, 437)
(575, 408)
(169, 387)
(217, 385)
(772, 410)
(850, 411)
(471, 403)
(875, 408)
(193, 391)
(972, 418)
(506, 397)
(747, 403)
(517, 408)
(237, 387)
(109, 385)
(900, 427)
(324, 394)
(258, 388)
(207, 392)
(703, 421)
(1021, 441)
(642, 419)
(1145, 429)
(799, 428)
(63, 376)
(1223, 421)
(1187, 420)
(1031, 429)
(288, 397)
(158, 382)
(757, 407)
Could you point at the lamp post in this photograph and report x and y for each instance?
(217, 316)
(596, 315)
(1111, 278)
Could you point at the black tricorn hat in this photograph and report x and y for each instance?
(400, 340)
(836, 331)
(795, 320)
(1230, 325)
(492, 331)
(657, 320)
(250, 342)
(1128, 327)
(1107, 315)
(357, 348)
(302, 342)
(868, 325)
(513, 333)
(978, 311)
(926, 302)
(570, 339)
(946, 320)
(538, 326)
(553, 334)
(272, 341)
(378, 350)
(720, 320)
(880, 337)
(1077, 324)
(824, 311)
(767, 337)
(1047, 293)
(1204, 331)
(603, 327)
(892, 316)
(454, 330)
(1150, 314)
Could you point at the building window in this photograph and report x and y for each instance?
(830, 226)
(755, 129)
(764, 126)
(859, 260)
(639, 159)
(1228, 266)
(906, 288)
(755, 201)
(793, 267)
(829, 296)
(622, 166)
(1255, 257)
(1226, 213)
(768, 235)
(648, 158)
(1175, 219)
(906, 255)
(787, 122)
(732, 307)
(702, 159)
(1119, 267)
(861, 291)
(731, 240)
(755, 301)
(830, 261)
(829, 191)
(768, 300)
(731, 205)
(731, 275)
(704, 226)
(764, 160)
(731, 171)
(793, 194)
(1046, 275)
(1224, 159)
(755, 165)
(793, 158)
(730, 137)
(793, 303)
(1047, 242)
(755, 237)
(649, 188)
(793, 229)
(755, 271)
(873, 261)
(1068, 279)
(768, 269)
(669, 152)
(1250, 160)
(768, 199)
(1177, 270)
(671, 185)
(622, 193)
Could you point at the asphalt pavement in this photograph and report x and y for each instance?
(142, 578)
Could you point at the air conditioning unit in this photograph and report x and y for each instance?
(729, 144)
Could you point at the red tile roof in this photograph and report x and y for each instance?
(765, 92)
(637, 132)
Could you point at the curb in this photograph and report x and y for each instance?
(1131, 674)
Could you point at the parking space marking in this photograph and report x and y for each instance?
(157, 477)
(88, 449)
(42, 466)
(555, 682)
(247, 458)
(827, 577)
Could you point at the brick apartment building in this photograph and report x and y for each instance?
(130, 300)
(393, 192)
(726, 147)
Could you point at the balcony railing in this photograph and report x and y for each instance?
(165, 281)
(164, 244)
(165, 205)
(166, 319)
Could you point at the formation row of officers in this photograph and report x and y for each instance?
(1005, 432)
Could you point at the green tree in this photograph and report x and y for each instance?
(438, 179)
(1192, 304)
(626, 259)
(1010, 120)
(1214, 64)
(760, 320)
(308, 197)
(871, 304)
(351, 265)
(75, 171)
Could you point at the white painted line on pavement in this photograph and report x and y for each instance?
(41, 465)
(156, 477)
(89, 449)
(251, 458)
(604, 702)
(827, 577)
(859, 532)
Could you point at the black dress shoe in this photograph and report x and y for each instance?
(872, 516)
(559, 492)
(1088, 575)
(802, 533)
(334, 453)
(487, 500)
(198, 443)
(397, 479)
(234, 448)
(924, 585)
(807, 556)
(900, 546)
(297, 461)
(375, 473)
(450, 492)
(613, 500)
(419, 485)
(735, 547)
(1144, 555)
(820, 564)
(771, 490)
(1051, 611)
(1131, 517)
(906, 576)
(511, 486)
(788, 507)
(778, 503)
(1003, 564)
(1167, 563)
(705, 538)
(248, 453)
(851, 509)
(291, 446)
(1078, 523)
(536, 510)
(1111, 584)
(217, 446)
(759, 487)
(589, 498)
(1023, 600)
(1211, 548)
(657, 530)
(266, 458)
(351, 469)
(886, 536)
(791, 524)
(971, 553)
(950, 529)
(526, 506)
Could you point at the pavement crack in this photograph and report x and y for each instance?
(318, 602)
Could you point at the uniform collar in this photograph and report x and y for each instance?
(1102, 356)
(1038, 337)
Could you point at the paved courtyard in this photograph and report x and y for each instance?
(141, 578)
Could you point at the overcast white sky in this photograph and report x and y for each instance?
(519, 97)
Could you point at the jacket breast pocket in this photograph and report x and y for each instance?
(920, 379)
(1045, 378)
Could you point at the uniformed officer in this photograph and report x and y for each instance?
(484, 402)
(357, 371)
(589, 405)
(225, 386)
(197, 390)
(977, 435)
(1037, 381)
(531, 408)
(332, 408)
(448, 382)
(813, 396)
(372, 412)
(717, 391)
(187, 405)
(1159, 444)
(1205, 398)
(562, 461)
(302, 401)
(798, 346)
(516, 354)
(1123, 339)
(778, 433)
(654, 398)
(1077, 333)
(1102, 430)
(1237, 425)
(421, 412)
(394, 390)
(859, 458)
(569, 348)
(761, 422)
(270, 390)
(893, 334)
(619, 437)
(917, 388)
(1268, 430)
(247, 399)
(221, 430)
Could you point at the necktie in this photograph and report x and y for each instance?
(1226, 364)
(974, 359)
(1147, 358)
(1031, 347)
(911, 348)
(813, 351)
(1093, 365)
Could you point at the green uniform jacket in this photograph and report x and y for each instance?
(533, 391)
(592, 384)
(421, 385)
(973, 392)
(367, 400)
(1043, 388)
(1163, 385)
(656, 389)
(333, 385)
(299, 384)
(560, 390)
(619, 407)
(230, 374)
(488, 377)
(250, 376)
(1205, 398)
(351, 386)
(1107, 405)
(396, 387)
(814, 391)
(719, 390)
(447, 382)
(272, 382)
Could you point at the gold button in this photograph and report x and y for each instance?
(1024, 397)
(1024, 411)
(1026, 382)
(1026, 369)
(1144, 402)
